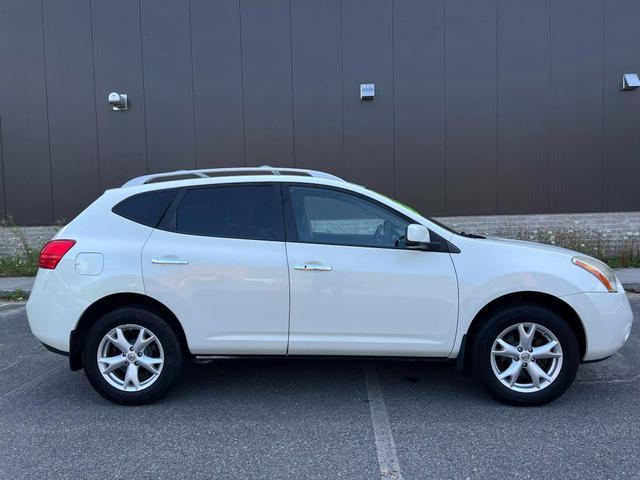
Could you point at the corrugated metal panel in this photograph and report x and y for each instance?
(118, 67)
(317, 84)
(471, 96)
(523, 106)
(71, 105)
(576, 105)
(266, 63)
(23, 108)
(217, 83)
(483, 106)
(3, 211)
(419, 115)
(368, 125)
(168, 86)
(621, 109)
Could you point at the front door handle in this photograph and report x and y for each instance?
(317, 267)
(169, 261)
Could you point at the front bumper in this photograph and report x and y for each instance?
(607, 320)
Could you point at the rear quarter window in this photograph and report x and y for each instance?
(145, 208)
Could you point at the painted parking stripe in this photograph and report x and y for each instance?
(386, 448)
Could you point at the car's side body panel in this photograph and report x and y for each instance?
(59, 297)
(232, 297)
(488, 269)
(374, 301)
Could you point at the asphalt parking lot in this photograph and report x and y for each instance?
(312, 419)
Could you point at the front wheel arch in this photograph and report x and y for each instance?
(543, 299)
(112, 302)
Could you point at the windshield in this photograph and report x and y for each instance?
(440, 224)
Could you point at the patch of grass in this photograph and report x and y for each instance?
(17, 295)
(20, 265)
(24, 263)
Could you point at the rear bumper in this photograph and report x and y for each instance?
(53, 311)
(54, 350)
(607, 319)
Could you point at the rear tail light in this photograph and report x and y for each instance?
(53, 252)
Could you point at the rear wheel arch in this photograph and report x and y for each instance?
(537, 298)
(110, 303)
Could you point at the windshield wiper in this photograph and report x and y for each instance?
(471, 235)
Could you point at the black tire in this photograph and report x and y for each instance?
(506, 317)
(173, 355)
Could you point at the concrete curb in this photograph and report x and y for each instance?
(8, 305)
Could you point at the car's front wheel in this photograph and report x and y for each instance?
(525, 355)
(131, 356)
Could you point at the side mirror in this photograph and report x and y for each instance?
(418, 236)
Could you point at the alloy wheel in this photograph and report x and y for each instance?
(130, 358)
(526, 357)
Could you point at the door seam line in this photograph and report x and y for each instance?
(286, 254)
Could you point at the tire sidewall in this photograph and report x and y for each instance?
(503, 319)
(149, 320)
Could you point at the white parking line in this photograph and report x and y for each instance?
(386, 448)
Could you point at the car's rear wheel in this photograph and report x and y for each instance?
(525, 355)
(132, 356)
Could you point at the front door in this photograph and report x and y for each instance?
(355, 289)
(219, 263)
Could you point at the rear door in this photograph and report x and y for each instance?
(218, 261)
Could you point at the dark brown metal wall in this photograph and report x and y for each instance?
(482, 106)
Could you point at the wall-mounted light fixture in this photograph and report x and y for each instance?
(630, 81)
(367, 91)
(118, 101)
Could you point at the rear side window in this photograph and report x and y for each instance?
(245, 211)
(145, 208)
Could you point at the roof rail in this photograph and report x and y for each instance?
(227, 172)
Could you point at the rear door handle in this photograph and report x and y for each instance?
(169, 261)
(317, 267)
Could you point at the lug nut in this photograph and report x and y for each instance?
(519, 349)
(131, 348)
(137, 364)
(123, 354)
(530, 350)
(524, 364)
(126, 363)
(139, 354)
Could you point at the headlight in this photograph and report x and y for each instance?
(599, 270)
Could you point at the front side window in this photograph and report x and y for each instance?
(340, 218)
(246, 211)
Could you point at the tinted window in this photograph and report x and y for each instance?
(339, 218)
(233, 212)
(145, 208)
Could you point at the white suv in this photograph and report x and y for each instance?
(207, 263)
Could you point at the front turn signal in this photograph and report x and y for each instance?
(599, 270)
